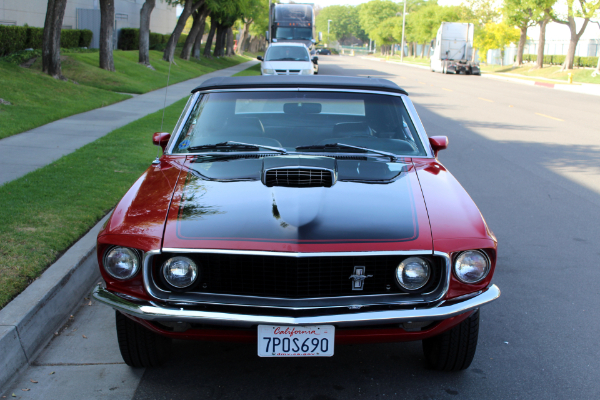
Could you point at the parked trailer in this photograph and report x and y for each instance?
(452, 51)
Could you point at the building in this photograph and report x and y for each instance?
(85, 14)
(557, 42)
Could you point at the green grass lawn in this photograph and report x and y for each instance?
(37, 99)
(46, 211)
(253, 70)
(132, 77)
(580, 75)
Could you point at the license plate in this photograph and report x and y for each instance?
(295, 341)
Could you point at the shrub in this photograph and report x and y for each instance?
(129, 39)
(12, 38)
(182, 39)
(34, 38)
(85, 40)
(69, 38)
(22, 56)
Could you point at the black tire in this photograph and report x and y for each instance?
(454, 349)
(140, 347)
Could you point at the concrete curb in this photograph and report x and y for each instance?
(28, 322)
(583, 88)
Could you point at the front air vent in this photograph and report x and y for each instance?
(299, 177)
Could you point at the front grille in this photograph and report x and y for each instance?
(295, 278)
(299, 177)
(281, 71)
(294, 71)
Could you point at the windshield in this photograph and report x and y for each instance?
(286, 53)
(292, 119)
(293, 33)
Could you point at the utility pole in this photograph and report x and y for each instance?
(328, 22)
(403, 23)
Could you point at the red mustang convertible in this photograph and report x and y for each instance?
(298, 214)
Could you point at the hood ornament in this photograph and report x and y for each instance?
(358, 278)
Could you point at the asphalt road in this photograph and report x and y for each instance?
(530, 158)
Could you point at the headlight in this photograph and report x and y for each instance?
(121, 262)
(305, 71)
(268, 71)
(413, 273)
(471, 266)
(180, 272)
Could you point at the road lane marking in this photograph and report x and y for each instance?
(481, 98)
(449, 90)
(547, 116)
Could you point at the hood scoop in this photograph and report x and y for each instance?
(299, 171)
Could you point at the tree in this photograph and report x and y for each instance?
(107, 27)
(196, 32)
(576, 8)
(145, 12)
(211, 35)
(373, 13)
(495, 36)
(51, 38)
(542, 22)
(189, 7)
(253, 10)
(345, 23)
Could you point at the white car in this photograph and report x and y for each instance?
(287, 58)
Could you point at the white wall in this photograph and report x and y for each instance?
(33, 13)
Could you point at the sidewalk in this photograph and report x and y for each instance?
(28, 151)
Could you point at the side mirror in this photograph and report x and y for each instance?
(161, 139)
(438, 143)
(315, 59)
(260, 58)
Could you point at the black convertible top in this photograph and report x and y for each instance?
(299, 81)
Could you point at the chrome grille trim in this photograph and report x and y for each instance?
(295, 304)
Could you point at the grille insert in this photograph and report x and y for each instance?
(296, 278)
(299, 177)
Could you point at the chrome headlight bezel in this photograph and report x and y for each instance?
(133, 253)
(194, 269)
(401, 268)
(460, 256)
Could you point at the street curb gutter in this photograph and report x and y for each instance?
(28, 322)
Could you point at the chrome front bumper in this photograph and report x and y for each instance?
(153, 312)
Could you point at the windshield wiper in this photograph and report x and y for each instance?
(392, 156)
(236, 145)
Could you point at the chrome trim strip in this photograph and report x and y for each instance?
(293, 304)
(155, 312)
(300, 255)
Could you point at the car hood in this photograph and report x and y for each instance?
(224, 204)
(287, 64)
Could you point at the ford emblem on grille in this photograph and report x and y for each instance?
(358, 278)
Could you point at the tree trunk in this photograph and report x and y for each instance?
(51, 38)
(219, 42)
(521, 48)
(542, 41)
(423, 50)
(107, 27)
(197, 29)
(570, 59)
(230, 43)
(189, 8)
(209, 39)
(145, 13)
(243, 36)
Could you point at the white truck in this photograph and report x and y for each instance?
(452, 50)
